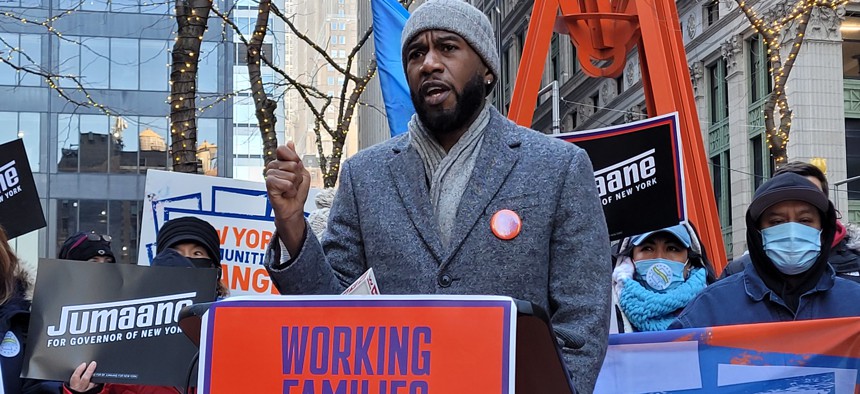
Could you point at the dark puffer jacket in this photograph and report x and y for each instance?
(761, 293)
(14, 319)
(844, 256)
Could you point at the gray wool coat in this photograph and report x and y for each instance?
(381, 217)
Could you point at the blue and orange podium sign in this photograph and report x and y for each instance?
(359, 344)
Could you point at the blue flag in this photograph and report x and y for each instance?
(389, 17)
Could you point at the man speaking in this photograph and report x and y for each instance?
(466, 202)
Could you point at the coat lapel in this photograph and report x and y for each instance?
(495, 161)
(407, 171)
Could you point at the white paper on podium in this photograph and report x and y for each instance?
(364, 285)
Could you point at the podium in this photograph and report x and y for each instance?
(375, 345)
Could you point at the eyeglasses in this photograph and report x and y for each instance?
(98, 237)
(92, 237)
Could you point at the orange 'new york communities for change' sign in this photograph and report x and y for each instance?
(359, 345)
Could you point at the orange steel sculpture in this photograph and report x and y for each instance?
(604, 31)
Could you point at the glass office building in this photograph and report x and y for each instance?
(89, 166)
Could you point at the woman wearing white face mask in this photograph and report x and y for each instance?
(790, 229)
(656, 275)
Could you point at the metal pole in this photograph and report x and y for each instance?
(836, 188)
(556, 121)
(500, 100)
(844, 181)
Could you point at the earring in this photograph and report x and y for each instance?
(489, 81)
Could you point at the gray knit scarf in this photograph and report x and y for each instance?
(448, 173)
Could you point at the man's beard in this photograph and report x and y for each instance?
(445, 121)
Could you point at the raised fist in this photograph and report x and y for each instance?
(288, 182)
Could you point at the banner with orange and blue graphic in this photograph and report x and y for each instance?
(812, 356)
(239, 210)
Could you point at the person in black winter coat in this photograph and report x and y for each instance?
(845, 250)
(790, 229)
(14, 320)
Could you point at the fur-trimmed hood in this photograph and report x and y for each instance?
(852, 236)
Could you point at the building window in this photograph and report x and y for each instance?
(128, 6)
(21, 50)
(85, 59)
(554, 71)
(159, 7)
(246, 25)
(761, 81)
(119, 63)
(852, 156)
(123, 218)
(720, 174)
(119, 218)
(207, 69)
(850, 30)
(719, 93)
(116, 144)
(207, 145)
(761, 162)
(712, 12)
(718, 146)
(21, 3)
(125, 63)
(506, 79)
(154, 60)
(153, 143)
(244, 112)
(124, 144)
(760, 85)
(242, 52)
(26, 126)
(246, 4)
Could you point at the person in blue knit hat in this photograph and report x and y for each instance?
(657, 274)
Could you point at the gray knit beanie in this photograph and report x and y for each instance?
(456, 16)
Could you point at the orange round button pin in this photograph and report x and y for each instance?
(506, 224)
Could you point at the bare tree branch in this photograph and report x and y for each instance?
(772, 31)
(265, 107)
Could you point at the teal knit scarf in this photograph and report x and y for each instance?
(649, 310)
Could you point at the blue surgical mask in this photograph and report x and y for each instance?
(660, 274)
(793, 247)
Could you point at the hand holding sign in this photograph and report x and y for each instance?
(288, 182)
(80, 380)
